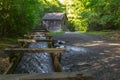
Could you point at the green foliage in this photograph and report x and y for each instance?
(93, 14)
(7, 42)
(18, 17)
(106, 15)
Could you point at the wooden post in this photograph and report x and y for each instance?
(57, 65)
(56, 62)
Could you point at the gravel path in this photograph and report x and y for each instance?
(92, 55)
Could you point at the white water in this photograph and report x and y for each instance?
(35, 62)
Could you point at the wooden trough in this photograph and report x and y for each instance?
(55, 53)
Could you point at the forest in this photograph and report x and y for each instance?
(18, 17)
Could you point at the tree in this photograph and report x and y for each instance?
(20, 16)
(93, 14)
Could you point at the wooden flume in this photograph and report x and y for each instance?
(55, 54)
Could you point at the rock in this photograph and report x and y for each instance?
(61, 42)
(56, 45)
(62, 46)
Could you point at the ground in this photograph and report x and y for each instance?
(4, 58)
(98, 56)
(4, 62)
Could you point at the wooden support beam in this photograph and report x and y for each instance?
(31, 36)
(37, 30)
(33, 40)
(26, 40)
(45, 76)
(37, 33)
(56, 63)
(34, 50)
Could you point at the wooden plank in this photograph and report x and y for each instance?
(46, 76)
(33, 40)
(42, 76)
(37, 33)
(31, 36)
(34, 50)
(57, 65)
(26, 40)
(37, 30)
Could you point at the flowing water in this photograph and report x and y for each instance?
(42, 62)
(35, 62)
(71, 59)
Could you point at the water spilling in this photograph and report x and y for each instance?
(71, 59)
(76, 49)
(37, 62)
(42, 62)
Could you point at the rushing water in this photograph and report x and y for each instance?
(42, 62)
(37, 62)
(71, 59)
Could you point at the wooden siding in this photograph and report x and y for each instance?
(57, 23)
(53, 25)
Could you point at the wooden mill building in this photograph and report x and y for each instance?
(55, 21)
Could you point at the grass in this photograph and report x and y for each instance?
(113, 35)
(6, 42)
(55, 33)
(100, 33)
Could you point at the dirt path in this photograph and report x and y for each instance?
(98, 57)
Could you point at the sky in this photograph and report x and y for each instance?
(61, 1)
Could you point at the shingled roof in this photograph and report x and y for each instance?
(53, 16)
